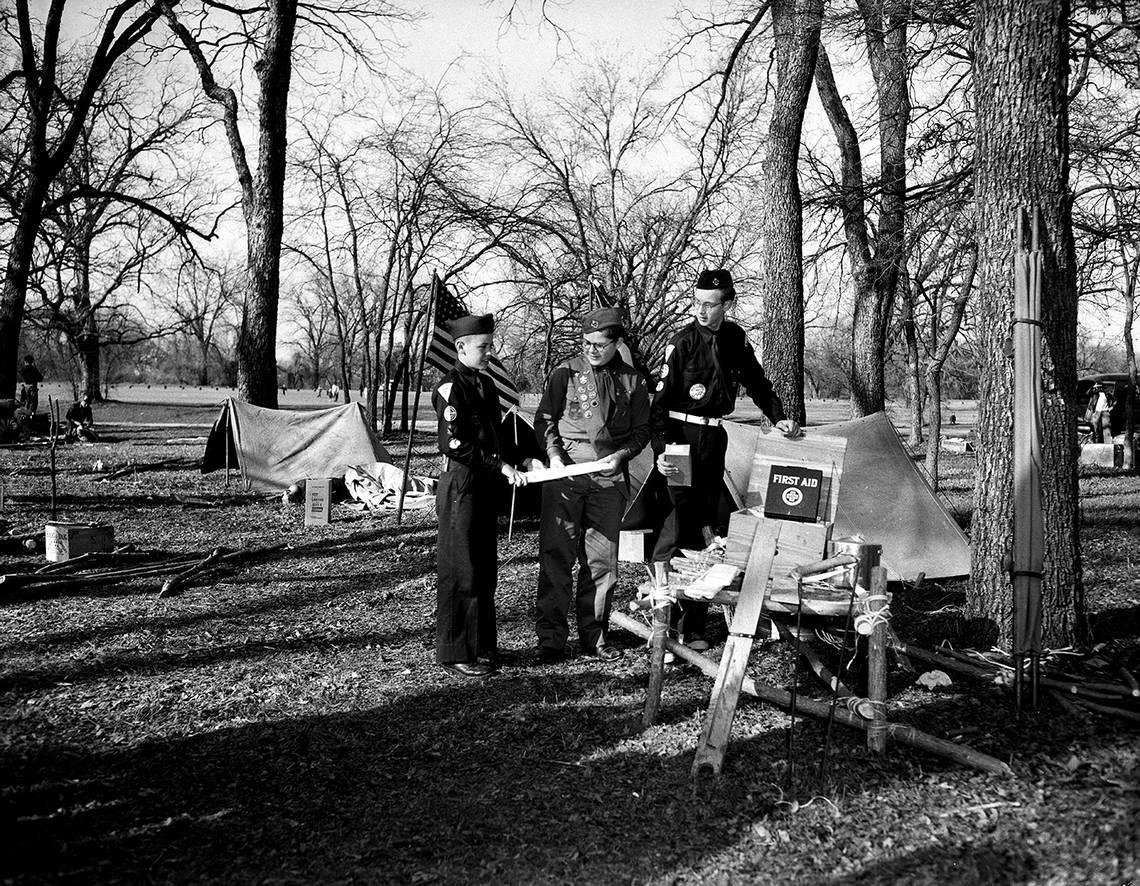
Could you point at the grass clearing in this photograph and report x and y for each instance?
(285, 722)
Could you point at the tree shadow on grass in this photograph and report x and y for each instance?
(464, 783)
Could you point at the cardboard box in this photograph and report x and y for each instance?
(633, 545)
(317, 504)
(678, 454)
(65, 541)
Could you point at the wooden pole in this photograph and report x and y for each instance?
(53, 435)
(1028, 532)
(877, 662)
(416, 403)
(662, 609)
(907, 735)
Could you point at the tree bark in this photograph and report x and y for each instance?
(796, 25)
(1021, 149)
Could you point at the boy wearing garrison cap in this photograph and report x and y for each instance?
(595, 407)
(705, 365)
(467, 407)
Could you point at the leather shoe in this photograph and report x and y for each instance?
(604, 652)
(550, 655)
(467, 668)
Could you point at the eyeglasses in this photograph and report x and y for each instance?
(597, 345)
(700, 303)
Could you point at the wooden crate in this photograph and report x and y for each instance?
(799, 544)
(65, 541)
(825, 454)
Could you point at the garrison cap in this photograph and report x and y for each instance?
(601, 319)
(472, 324)
(719, 279)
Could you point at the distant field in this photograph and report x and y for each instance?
(195, 406)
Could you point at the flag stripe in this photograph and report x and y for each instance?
(441, 351)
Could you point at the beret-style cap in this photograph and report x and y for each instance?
(602, 318)
(718, 279)
(472, 324)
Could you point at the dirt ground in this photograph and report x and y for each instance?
(283, 721)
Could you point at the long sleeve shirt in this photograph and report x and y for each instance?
(468, 429)
(590, 412)
(702, 375)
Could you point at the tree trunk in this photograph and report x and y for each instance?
(796, 24)
(15, 292)
(1021, 149)
(913, 369)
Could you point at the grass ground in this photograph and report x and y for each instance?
(285, 723)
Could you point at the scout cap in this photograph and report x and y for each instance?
(719, 280)
(472, 324)
(602, 319)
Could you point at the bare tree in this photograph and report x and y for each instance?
(266, 32)
(1022, 159)
(56, 119)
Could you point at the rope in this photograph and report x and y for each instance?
(867, 620)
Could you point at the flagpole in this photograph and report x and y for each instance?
(512, 412)
(416, 401)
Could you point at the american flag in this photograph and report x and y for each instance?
(599, 296)
(441, 350)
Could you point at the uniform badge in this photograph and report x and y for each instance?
(660, 386)
(593, 402)
(449, 413)
(582, 378)
(668, 351)
(665, 370)
(445, 390)
(587, 413)
(454, 444)
(697, 391)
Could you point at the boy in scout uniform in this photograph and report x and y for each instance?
(595, 407)
(467, 407)
(705, 365)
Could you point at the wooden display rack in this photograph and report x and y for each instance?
(750, 604)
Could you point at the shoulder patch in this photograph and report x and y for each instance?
(660, 386)
(668, 351)
(445, 390)
(449, 413)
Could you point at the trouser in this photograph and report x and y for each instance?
(1102, 426)
(467, 564)
(581, 521)
(692, 508)
(30, 394)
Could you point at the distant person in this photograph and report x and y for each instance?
(80, 421)
(953, 419)
(31, 377)
(1100, 413)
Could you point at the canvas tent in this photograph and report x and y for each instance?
(272, 448)
(882, 496)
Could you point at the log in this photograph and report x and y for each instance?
(174, 584)
(877, 662)
(956, 661)
(1134, 716)
(902, 734)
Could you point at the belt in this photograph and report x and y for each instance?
(696, 419)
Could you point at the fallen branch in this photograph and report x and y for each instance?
(972, 667)
(174, 584)
(903, 734)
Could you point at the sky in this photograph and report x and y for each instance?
(529, 48)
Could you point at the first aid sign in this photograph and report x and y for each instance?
(793, 493)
